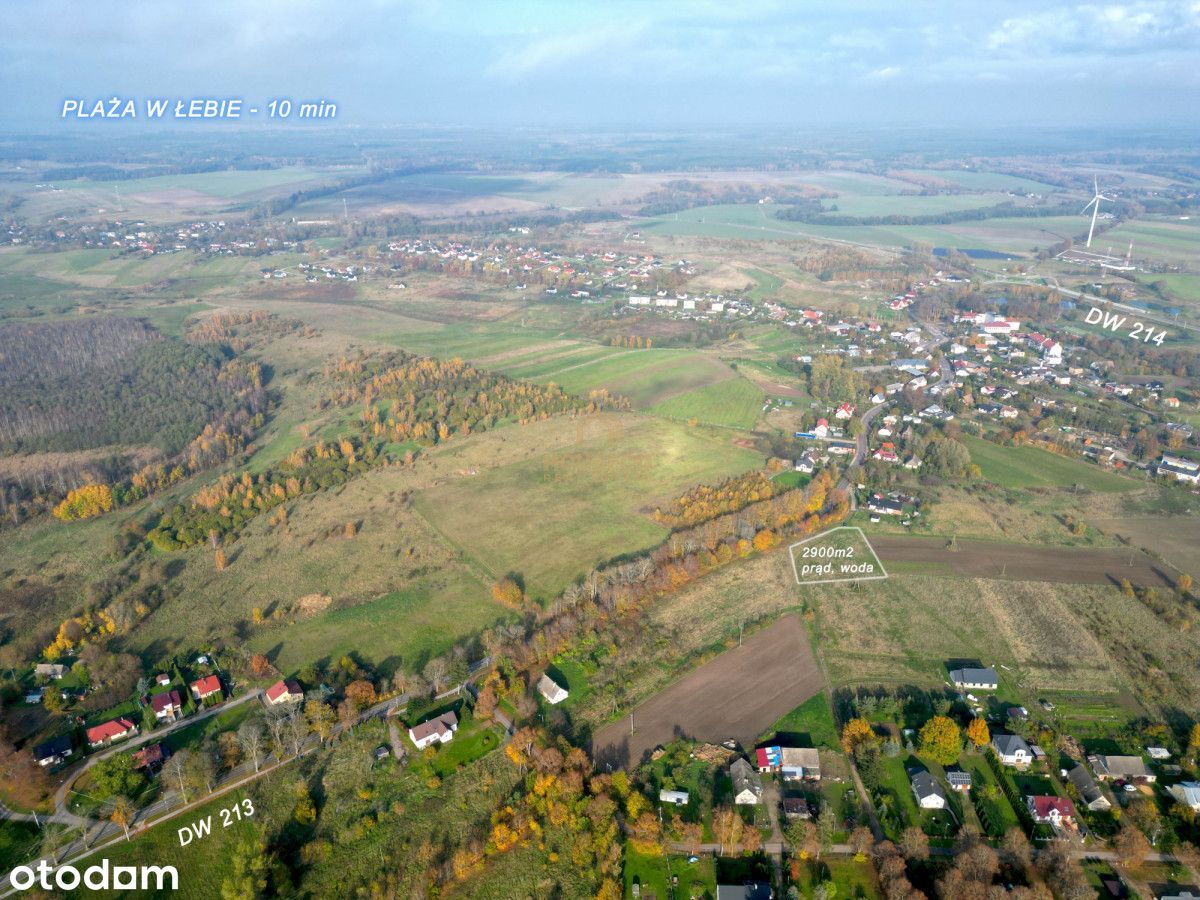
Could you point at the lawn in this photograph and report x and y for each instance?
(19, 842)
(736, 403)
(653, 873)
(995, 811)
(852, 879)
(1016, 467)
(202, 862)
(587, 501)
(403, 628)
(808, 725)
(646, 377)
(471, 741)
(194, 735)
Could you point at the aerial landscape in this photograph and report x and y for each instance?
(663, 452)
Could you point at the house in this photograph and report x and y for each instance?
(114, 730)
(885, 507)
(958, 779)
(149, 757)
(206, 687)
(822, 429)
(751, 890)
(793, 763)
(1089, 792)
(1012, 750)
(1178, 468)
(844, 411)
(982, 679)
(550, 689)
(1187, 793)
(286, 691)
(167, 706)
(438, 730)
(679, 798)
(1175, 891)
(1124, 768)
(1047, 810)
(747, 786)
(796, 808)
(53, 751)
(807, 463)
(926, 790)
(50, 670)
(162, 679)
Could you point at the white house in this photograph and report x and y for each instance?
(983, 679)
(1012, 750)
(928, 793)
(747, 786)
(1187, 793)
(549, 689)
(678, 798)
(438, 730)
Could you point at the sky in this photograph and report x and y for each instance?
(650, 64)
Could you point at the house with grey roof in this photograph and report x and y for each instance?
(1012, 750)
(1089, 792)
(925, 788)
(977, 679)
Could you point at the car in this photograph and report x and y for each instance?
(693, 859)
(1130, 788)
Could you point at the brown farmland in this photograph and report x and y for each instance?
(736, 696)
(1025, 562)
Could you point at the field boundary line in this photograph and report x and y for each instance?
(829, 531)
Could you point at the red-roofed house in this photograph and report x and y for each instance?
(844, 411)
(149, 757)
(286, 691)
(207, 687)
(167, 706)
(1056, 811)
(116, 730)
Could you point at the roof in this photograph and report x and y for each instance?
(279, 689)
(209, 684)
(673, 796)
(958, 778)
(149, 755)
(1044, 805)
(973, 676)
(744, 777)
(551, 689)
(109, 730)
(747, 891)
(1175, 891)
(1008, 744)
(53, 747)
(1186, 792)
(801, 757)
(925, 785)
(165, 700)
(1085, 784)
(1123, 766)
(438, 725)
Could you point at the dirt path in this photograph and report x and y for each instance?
(736, 696)
(1026, 562)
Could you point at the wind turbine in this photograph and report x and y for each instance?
(1094, 203)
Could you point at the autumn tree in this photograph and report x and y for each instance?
(1130, 846)
(507, 591)
(977, 732)
(220, 560)
(941, 740)
(857, 731)
(914, 844)
(360, 692)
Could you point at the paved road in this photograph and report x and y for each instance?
(60, 796)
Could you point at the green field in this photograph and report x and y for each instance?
(988, 181)
(587, 501)
(1184, 288)
(765, 284)
(652, 873)
(403, 628)
(736, 403)
(227, 184)
(1017, 467)
(1168, 240)
(749, 222)
(809, 725)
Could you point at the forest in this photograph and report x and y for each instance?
(67, 386)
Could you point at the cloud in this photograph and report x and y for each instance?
(887, 73)
(1115, 28)
(594, 46)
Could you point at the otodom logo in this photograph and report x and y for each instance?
(100, 877)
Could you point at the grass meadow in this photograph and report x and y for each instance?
(1017, 467)
(734, 403)
(588, 501)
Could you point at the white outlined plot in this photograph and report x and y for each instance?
(821, 562)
